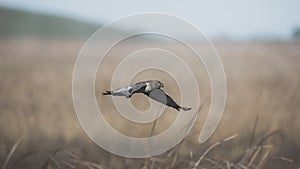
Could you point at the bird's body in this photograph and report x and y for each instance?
(140, 87)
(151, 88)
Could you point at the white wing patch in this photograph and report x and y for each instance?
(148, 87)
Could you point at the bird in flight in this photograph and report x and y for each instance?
(151, 88)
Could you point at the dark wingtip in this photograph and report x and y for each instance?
(186, 108)
(106, 93)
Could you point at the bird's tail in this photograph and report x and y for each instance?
(107, 93)
(185, 108)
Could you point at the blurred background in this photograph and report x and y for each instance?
(258, 42)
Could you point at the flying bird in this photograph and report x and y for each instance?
(151, 88)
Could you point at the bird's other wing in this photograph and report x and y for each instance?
(162, 97)
(138, 88)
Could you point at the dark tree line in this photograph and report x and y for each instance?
(296, 34)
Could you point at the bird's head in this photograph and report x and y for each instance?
(154, 84)
(160, 84)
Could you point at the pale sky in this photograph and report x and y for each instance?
(236, 18)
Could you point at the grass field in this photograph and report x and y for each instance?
(39, 128)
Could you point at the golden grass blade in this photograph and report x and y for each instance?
(241, 166)
(230, 138)
(191, 155)
(253, 131)
(55, 162)
(87, 164)
(211, 147)
(152, 165)
(263, 160)
(67, 153)
(205, 153)
(11, 153)
(68, 164)
(256, 152)
(282, 158)
(268, 136)
(227, 164)
(177, 154)
(210, 160)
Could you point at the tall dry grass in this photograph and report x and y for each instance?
(39, 128)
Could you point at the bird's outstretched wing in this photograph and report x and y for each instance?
(124, 91)
(162, 97)
(127, 91)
